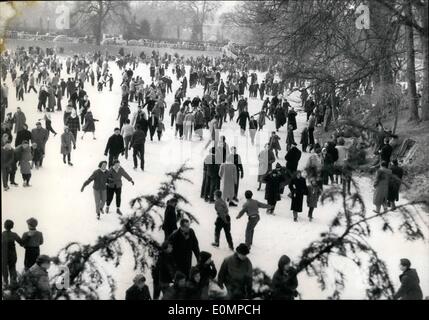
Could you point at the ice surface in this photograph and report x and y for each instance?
(65, 214)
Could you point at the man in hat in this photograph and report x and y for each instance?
(410, 283)
(36, 281)
(292, 158)
(236, 274)
(40, 136)
(139, 290)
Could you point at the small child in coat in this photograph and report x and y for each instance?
(159, 129)
(31, 240)
(304, 139)
(314, 192)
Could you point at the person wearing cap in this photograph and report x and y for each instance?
(31, 241)
(36, 280)
(40, 136)
(8, 251)
(410, 283)
(139, 290)
(114, 146)
(285, 282)
(236, 274)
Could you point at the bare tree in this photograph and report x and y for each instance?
(200, 12)
(95, 14)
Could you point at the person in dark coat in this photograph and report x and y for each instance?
(285, 282)
(153, 125)
(139, 290)
(385, 151)
(31, 241)
(123, 113)
(236, 159)
(394, 183)
(7, 164)
(184, 244)
(280, 117)
(314, 192)
(272, 188)
(8, 252)
(211, 180)
(298, 189)
(236, 274)
(73, 123)
(23, 135)
(163, 270)
(291, 118)
(89, 125)
(292, 158)
(137, 142)
(410, 283)
(114, 146)
(40, 136)
(304, 139)
(242, 119)
(171, 216)
(207, 271)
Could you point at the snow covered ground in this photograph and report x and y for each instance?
(65, 214)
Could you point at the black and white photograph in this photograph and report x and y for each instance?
(214, 150)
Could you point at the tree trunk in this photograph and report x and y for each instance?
(411, 66)
(425, 56)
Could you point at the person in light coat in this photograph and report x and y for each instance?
(228, 175)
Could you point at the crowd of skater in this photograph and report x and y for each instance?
(223, 101)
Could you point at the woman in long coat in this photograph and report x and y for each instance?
(395, 183)
(298, 189)
(272, 187)
(266, 159)
(73, 123)
(67, 138)
(24, 157)
(381, 186)
(51, 98)
(89, 125)
(228, 175)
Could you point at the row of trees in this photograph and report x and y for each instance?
(320, 42)
(144, 19)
